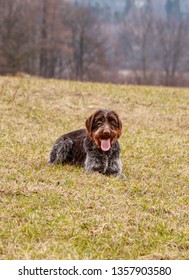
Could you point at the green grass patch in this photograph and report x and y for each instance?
(62, 212)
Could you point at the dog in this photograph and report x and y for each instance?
(95, 148)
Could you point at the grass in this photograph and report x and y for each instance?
(61, 212)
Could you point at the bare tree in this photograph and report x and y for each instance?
(62, 40)
(154, 50)
(136, 45)
(171, 46)
(12, 36)
(87, 44)
(33, 37)
(53, 38)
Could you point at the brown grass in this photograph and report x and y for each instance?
(64, 213)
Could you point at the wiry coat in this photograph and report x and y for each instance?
(95, 148)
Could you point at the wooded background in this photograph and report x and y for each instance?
(68, 40)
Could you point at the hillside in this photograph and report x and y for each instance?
(61, 212)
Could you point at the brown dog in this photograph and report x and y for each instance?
(95, 148)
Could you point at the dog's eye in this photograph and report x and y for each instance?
(114, 123)
(99, 123)
(96, 125)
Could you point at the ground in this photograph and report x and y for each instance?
(62, 212)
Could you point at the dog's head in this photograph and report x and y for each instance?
(104, 127)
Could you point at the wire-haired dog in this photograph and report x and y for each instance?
(95, 148)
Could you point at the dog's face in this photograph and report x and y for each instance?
(104, 127)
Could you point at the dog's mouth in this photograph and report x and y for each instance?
(105, 144)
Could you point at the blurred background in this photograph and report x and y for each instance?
(123, 41)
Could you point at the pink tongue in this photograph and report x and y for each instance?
(105, 145)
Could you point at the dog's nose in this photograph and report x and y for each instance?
(106, 131)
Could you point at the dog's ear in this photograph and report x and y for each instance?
(119, 124)
(120, 127)
(89, 123)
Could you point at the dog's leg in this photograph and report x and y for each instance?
(60, 151)
(93, 161)
(93, 164)
(114, 167)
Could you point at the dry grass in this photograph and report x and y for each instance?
(62, 212)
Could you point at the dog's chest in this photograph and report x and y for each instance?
(97, 160)
(106, 163)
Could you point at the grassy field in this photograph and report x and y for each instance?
(61, 212)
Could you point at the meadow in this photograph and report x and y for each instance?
(62, 212)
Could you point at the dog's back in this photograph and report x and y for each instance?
(69, 148)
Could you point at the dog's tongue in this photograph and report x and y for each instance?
(105, 144)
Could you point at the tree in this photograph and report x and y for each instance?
(87, 44)
(136, 45)
(171, 47)
(53, 38)
(13, 36)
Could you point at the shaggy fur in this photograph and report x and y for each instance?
(96, 148)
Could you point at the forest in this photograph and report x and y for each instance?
(68, 40)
